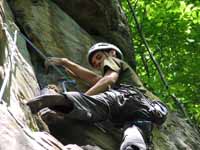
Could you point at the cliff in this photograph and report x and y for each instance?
(64, 29)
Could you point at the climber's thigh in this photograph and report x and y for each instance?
(133, 138)
(88, 108)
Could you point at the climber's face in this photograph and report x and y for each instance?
(97, 59)
(99, 56)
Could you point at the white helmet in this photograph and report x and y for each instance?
(103, 46)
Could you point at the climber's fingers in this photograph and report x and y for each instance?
(51, 61)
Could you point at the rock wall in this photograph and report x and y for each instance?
(104, 20)
(19, 129)
(64, 29)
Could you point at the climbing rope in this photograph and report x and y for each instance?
(66, 81)
(43, 56)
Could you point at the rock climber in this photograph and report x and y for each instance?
(117, 95)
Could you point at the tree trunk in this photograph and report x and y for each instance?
(63, 29)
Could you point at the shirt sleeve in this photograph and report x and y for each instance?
(109, 63)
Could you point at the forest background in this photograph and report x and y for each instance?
(172, 31)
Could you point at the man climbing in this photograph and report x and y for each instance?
(117, 95)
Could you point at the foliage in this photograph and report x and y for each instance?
(172, 29)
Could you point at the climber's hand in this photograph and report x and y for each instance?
(52, 61)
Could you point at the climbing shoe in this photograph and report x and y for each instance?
(56, 102)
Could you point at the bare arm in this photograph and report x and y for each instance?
(75, 69)
(104, 83)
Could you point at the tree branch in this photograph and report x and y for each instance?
(147, 46)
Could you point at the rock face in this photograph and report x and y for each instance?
(63, 29)
(103, 20)
(18, 127)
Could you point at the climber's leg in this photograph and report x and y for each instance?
(75, 105)
(49, 100)
(88, 108)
